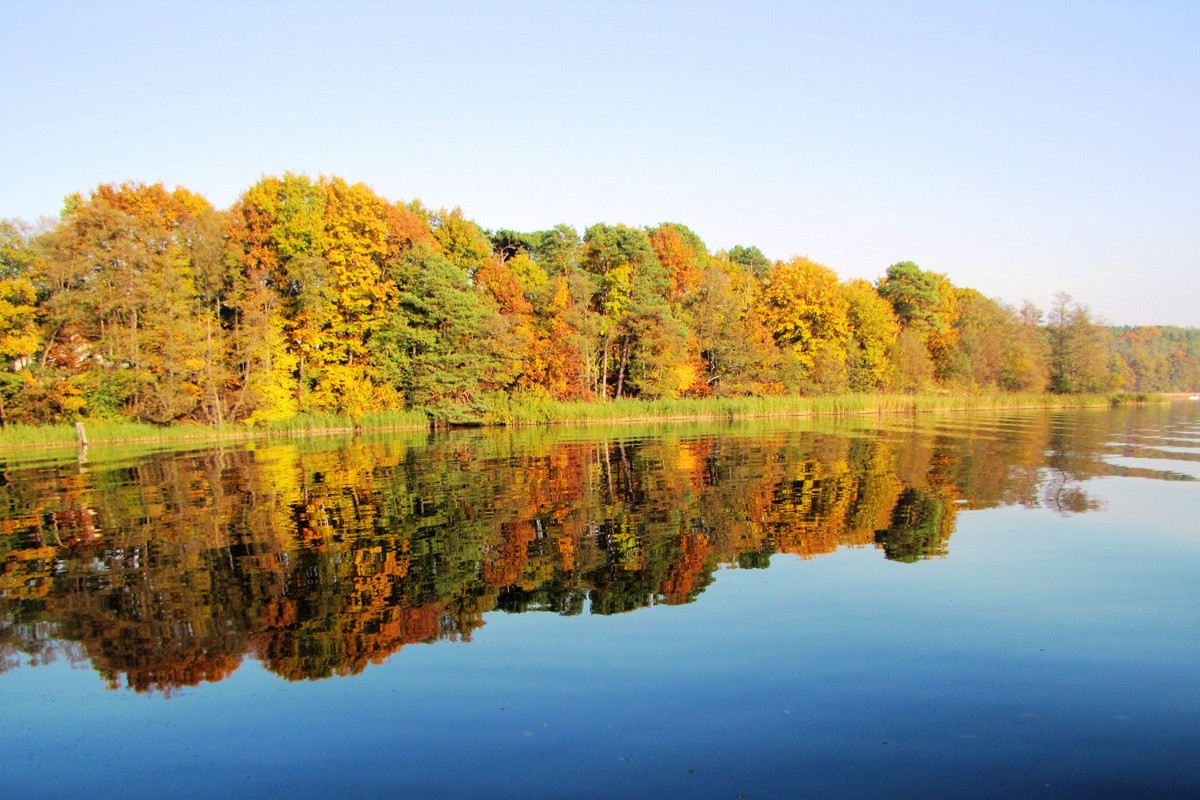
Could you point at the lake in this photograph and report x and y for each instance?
(999, 604)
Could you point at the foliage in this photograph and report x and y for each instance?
(805, 310)
(318, 296)
(873, 332)
(1078, 352)
(750, 257)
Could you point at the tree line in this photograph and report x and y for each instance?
(316, 295)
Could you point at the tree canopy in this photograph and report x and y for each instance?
(318, 295)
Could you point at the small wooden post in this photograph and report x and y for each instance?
(82, 434)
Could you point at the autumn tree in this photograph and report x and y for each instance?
(276, 235)
(356, 248)
(512, 334)
(926, 304)
(127, 264)
(984, 329)
(682, 254)
(561, 355)
(1078, 348)
(315, 291)
(873, 332)
(914, 369)
(803, 307)
(1158, 358)
(213, 281)
(461, 240)
(1026, 355)
(740, 354)
(20, 334)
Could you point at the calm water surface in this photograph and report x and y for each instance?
(970, 605)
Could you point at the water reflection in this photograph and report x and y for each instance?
(320, 557)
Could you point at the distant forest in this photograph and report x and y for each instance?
(321, 296)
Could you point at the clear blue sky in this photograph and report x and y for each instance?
(1022, 148)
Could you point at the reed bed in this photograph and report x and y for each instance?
(523, 411)
(337, 423)
(510, 411)
(111, 431)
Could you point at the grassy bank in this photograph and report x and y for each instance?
(504, 410)
(109, 431)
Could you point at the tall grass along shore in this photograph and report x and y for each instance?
(505, 410)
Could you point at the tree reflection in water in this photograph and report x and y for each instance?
(321, 557)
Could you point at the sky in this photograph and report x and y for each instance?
(1020, 148)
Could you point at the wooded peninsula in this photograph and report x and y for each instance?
(311, 297)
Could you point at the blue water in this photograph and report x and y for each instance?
(1047, 654)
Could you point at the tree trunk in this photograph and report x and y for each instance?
(53, 336)
(212, 383)
(300, 381)
(621, 369)
(604, 369)
(133, 355)
(240, 339)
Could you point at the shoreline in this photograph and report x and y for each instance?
(527, 414)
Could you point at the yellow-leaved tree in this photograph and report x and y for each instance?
(803, 307)
(873, 331)
(276, 240)
(356, 249)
